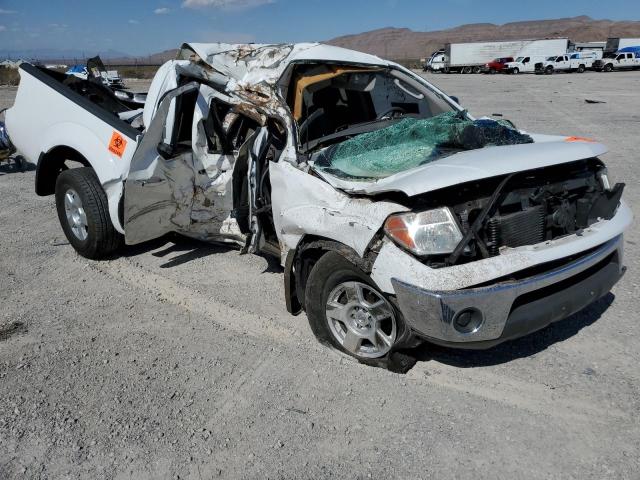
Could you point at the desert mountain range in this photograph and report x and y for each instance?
(403, 43)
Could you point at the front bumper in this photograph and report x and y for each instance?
(508, 310)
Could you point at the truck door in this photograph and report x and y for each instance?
(170, 187)
(150, 208)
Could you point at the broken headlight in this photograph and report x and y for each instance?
(433, 232)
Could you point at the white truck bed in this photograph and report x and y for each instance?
(68, 120)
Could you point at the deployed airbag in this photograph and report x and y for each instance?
(412, 142)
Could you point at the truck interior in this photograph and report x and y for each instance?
(333, 102)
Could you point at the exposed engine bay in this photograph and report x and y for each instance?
(524, 209)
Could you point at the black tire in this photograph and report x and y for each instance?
(477, 70)
(581, 69)
(608, 67)
(331, 270)
(515, 71)
(548, 70)
(102, 239)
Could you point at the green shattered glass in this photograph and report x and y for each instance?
(412, 142)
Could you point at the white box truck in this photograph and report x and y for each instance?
(617, 44)
(474, 57)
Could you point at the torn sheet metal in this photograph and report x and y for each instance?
(253, 64)
(305, 205)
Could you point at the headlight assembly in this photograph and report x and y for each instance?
(433, 232)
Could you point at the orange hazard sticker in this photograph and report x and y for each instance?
(579, 139)
(117, 144)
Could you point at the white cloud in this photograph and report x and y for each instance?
(225, 4)
(133, 22)
(161, 11)
(2, 28)
(6, 12)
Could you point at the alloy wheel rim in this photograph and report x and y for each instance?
(361, 319)
(76, 216)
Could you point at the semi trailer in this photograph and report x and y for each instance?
(475, 57)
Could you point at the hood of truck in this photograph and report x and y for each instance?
(473, 165)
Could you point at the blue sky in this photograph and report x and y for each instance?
(139, 27)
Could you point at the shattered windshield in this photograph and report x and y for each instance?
(412, 142)
(331, 102)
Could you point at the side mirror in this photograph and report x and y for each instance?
(455, 99)
(166, 151)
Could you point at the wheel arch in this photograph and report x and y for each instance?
(51, 164)
(300, 260)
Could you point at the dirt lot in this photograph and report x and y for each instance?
(180, 361)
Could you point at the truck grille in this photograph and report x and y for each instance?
(516, 229)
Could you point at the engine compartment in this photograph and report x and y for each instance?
(524, 209)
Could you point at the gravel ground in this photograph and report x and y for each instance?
(178, 360)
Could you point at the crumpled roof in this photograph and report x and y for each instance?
(251, 64)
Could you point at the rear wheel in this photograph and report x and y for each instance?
(581, 69)
(477, 69)
(467, 70)
(349, 313)
(83, 212)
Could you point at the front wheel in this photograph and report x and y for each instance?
(549, 70)
(608, 67)
(515, 71)
(83, 212)
(347, 311)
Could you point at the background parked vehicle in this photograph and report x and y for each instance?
(569, 62)
(620, 44)
(498, 65)
(523, 64)
(473, 57)
(617, 61)
(436, 62)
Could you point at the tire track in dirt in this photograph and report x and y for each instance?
(229, 318)
(535, 398)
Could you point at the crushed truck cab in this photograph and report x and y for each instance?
(396, 215)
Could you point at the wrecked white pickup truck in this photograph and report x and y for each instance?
(397, 216)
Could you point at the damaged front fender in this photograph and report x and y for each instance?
(306, 205)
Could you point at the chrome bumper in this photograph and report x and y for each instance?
(485, 316)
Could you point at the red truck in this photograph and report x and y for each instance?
(497, 65)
